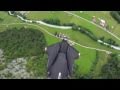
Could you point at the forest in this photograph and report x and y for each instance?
(22, 42)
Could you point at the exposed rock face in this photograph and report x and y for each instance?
(16, 70)
(1, 57)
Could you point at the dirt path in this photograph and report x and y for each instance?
(41, 22)
(93, 24)
(57, 37)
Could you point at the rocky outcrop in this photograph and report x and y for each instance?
(16, 70)
(1, 57)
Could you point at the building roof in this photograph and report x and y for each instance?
(61, 57)
(102, 21)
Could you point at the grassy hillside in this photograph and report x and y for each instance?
(40, 15)
(98, 32)
(88, 57)
(8, 19)
(104, 15)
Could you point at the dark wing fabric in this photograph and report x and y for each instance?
(71, 55)
(52, 52)
(60, 66)
(64, 46)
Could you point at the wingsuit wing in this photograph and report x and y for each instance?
(52, 52)
(60, 66)
(72, 54)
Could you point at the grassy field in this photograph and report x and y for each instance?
(88, 57)
(102, 59)
(79, 38)
(104, 15)
(86, 60)
(96, 30)
(40, 15)
(8, 19)
(50, 40)
(82, 61)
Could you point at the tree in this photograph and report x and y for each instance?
(68, 24)
(1, 19)
(116, 15)
(22, 42)
(111, 70)
(52, 21)
(102, 38)
(111, 42)
(108, 27)
(75, 27)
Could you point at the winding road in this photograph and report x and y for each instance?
(108, 52)
(41, 22)
(61, 27)
(93, 24)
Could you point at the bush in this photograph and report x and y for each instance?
(52, 21)
(33, 21)
(116, 15)
(68, 24)
(108, 27)
(57, 22)
(75, 27)
(102, 38)
(1, 19)
(109, 41)
(111, 70)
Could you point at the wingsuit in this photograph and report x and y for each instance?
(61, 58)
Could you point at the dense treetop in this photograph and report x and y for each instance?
(22, 42)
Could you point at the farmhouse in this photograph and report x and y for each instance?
(102, 22)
